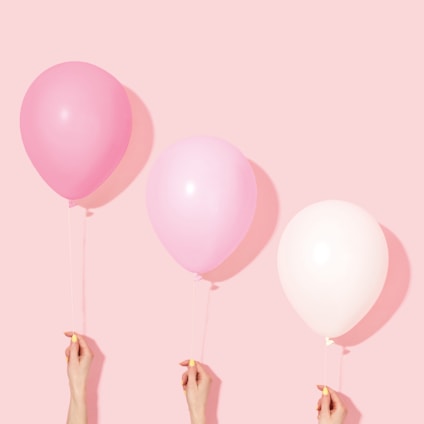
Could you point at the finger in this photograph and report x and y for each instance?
(335, 399)
(202, 375)
(184, 363)
(85, 351)
(184, 380)
(320, 387)
(68, 334)
(200, 369)
(192, 374)
(325, 402)
(74, 349)
(72, 335)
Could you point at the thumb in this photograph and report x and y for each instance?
(325, 403)
(74, 349)
(192, 374)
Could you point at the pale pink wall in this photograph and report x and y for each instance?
(325, 99)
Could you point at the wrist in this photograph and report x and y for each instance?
(77, 413)
(198, 418)
(78, 395)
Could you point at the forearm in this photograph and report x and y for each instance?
(77, 413)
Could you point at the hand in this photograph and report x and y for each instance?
(330, 407)
(79, 357)
(196, 382)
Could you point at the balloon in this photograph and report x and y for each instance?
(332, 262)
(75, 126)
(201, 198)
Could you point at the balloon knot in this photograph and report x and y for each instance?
(197, 277)
(328, 341)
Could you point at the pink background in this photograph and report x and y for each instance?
(325, 99)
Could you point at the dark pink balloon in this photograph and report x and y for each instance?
(75, 124)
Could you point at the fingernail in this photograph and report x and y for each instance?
(67, 359)
(191, 363)
(74, 338)
(325, 391)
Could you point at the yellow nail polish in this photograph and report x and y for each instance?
(325, 391)
(74, 338)
(191, 363)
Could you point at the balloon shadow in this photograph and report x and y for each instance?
(353, 416)
(133, 161)
(213, 398)
(260, 231)
(391, 297)
(93, 381)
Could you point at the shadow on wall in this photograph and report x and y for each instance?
(260, 232)
(133, 161)
(353, 416)
(391, 297)
(213, 399)
(93, 381)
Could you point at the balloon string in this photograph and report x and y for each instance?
(71, 279)
(193, 306)
(325, 365)
(83, 261)
(328, 343)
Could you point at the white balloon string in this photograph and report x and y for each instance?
(325, 364)
(71, 279)
(328, 343)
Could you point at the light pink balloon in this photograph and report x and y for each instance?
(75, 125)
(201, 198)
(332, 261)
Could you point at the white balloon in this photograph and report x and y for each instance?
(332, 262)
